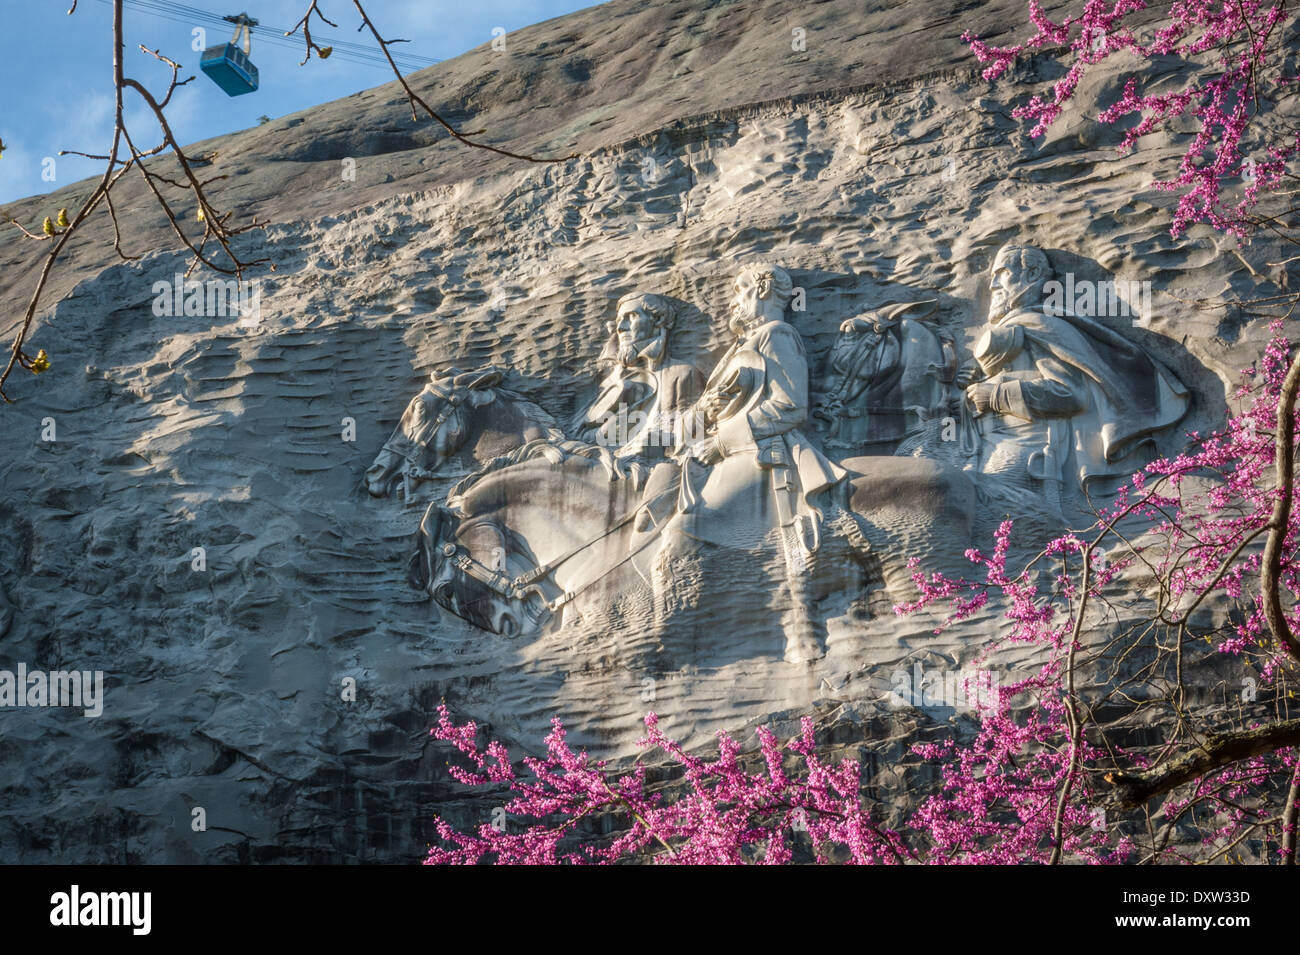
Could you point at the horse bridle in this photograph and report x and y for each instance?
(525, 585)
(497, 581)
(451, 405)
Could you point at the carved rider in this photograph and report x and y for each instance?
(1063, 399)
(762, 472)
(640, 402)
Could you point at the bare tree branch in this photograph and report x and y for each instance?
(1132, 788)
(216, 230)
(1280, 523)
(1290, 818)
(305, 23)
(417, 100)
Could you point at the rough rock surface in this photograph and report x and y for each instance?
(876, 166)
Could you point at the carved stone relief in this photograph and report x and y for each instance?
(665, 481)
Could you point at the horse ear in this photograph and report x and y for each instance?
(417, 572)
(480, 384)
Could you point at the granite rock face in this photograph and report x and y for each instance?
(284, 677)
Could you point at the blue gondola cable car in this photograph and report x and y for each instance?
(229, 66)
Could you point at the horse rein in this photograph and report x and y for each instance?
(520, 587)
(451, 404)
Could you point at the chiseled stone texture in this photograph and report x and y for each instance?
(884, 173)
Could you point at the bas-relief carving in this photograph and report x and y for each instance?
(647, 390)
(1060, 399)
(891, 382)
(664, 478)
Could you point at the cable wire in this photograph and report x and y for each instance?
(347, 50)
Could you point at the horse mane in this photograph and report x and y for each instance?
(551, 447)
(530, 409)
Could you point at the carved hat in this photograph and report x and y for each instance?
(998, 345)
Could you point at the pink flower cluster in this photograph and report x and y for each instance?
(1244, 40)
(727, 815)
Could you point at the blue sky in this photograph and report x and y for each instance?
(56, 70)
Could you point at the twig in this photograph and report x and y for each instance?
(416, 100)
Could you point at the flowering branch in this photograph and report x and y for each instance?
(728, 815)
(1243, 38)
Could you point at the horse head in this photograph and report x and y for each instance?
(434, 426)
(510, 551)
(466, 566)
(890, 374)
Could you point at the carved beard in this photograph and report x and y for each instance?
(645, 352)
(1002, 305)
(741, 324)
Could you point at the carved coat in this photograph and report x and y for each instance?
(651, 400)
(734, 502)
(1072, 398)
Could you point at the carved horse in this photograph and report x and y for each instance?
(522, 544)
(890, 384)
(456, 412)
